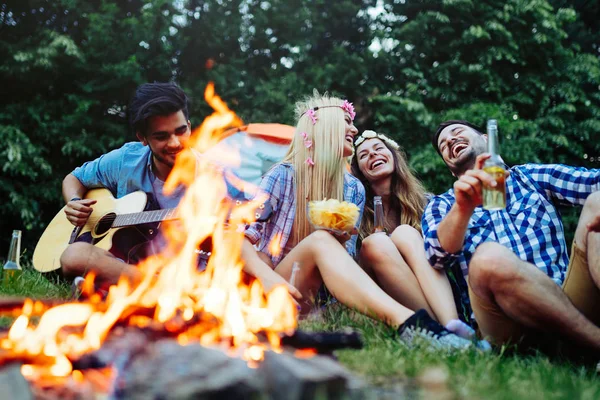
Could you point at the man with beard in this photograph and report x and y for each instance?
(522, 287)
(158, 115)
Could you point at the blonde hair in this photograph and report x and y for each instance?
(324, 179)
(407, 194)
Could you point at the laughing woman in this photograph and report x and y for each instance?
(397, 262)
(315, 169)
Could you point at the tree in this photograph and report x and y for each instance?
(266, 55)
(69, 69)
(509, 60)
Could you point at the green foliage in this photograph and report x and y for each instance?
(70, 66)
(516, 61)
(68, 70)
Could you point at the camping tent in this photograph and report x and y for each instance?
(249, 151)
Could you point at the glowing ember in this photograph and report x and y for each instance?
(171, 289)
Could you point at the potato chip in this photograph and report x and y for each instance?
(333, 214)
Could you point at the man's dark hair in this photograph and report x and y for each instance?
(152, 99)
(445, 124)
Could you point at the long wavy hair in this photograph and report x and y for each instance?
(407, 194)
(324, 179)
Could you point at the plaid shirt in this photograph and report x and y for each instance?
(530, 225)
(279, 184)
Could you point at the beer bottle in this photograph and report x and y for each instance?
(494, 198)
(12, 267)
(378, 225)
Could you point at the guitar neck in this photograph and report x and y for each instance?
(144, 217)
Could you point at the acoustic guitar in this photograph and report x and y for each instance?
(116, 225)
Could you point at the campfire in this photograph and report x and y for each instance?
(175, 318)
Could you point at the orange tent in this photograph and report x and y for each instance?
(278, 133)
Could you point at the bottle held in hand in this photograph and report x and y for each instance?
(12, 267)
(378, 225)
(494, 197)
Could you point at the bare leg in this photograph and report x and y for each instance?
(527, 295)
(80, 258)
(380, 254)
(323, 259)
(590, 241)
(433, 283)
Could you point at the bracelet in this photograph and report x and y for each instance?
(75, 198)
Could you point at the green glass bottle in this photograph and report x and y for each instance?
(494, 197)
(12, 267)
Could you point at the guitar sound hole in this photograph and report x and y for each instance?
(105, 224)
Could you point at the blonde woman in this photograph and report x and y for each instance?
(398, 261)
(314, 169)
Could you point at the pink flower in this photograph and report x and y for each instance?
(349, 108)
(313, 116)
(307, 142)
(310, 161)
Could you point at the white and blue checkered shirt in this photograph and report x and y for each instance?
(530, 225)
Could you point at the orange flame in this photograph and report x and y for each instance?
(171, 284)
(275, 245)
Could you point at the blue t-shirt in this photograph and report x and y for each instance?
(127, 170)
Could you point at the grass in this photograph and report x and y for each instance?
(386, 362)
(392, 369)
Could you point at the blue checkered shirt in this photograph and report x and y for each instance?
(278, 183)
(530, 225)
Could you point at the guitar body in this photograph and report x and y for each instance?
(96, 231)
(126, 239)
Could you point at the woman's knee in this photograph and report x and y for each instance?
(321, 240)
(408, 238)
(375, 247)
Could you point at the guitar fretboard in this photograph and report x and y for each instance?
(144, 217)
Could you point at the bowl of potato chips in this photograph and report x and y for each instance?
(334, 215)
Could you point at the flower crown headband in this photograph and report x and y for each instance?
(374, 135)
(312, 114)
(346, 106)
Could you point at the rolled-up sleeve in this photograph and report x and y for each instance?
(434, 213)
(101, 172)
(566, 184)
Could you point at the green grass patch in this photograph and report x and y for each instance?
(393, 370)
(33, 284)
(387, 362)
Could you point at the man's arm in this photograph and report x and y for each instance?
(101, 172)
(72, 188)
(468, 193)
(451, 231)
(566, 184)
(77, 210)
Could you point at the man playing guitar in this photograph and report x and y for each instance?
(158, 114)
